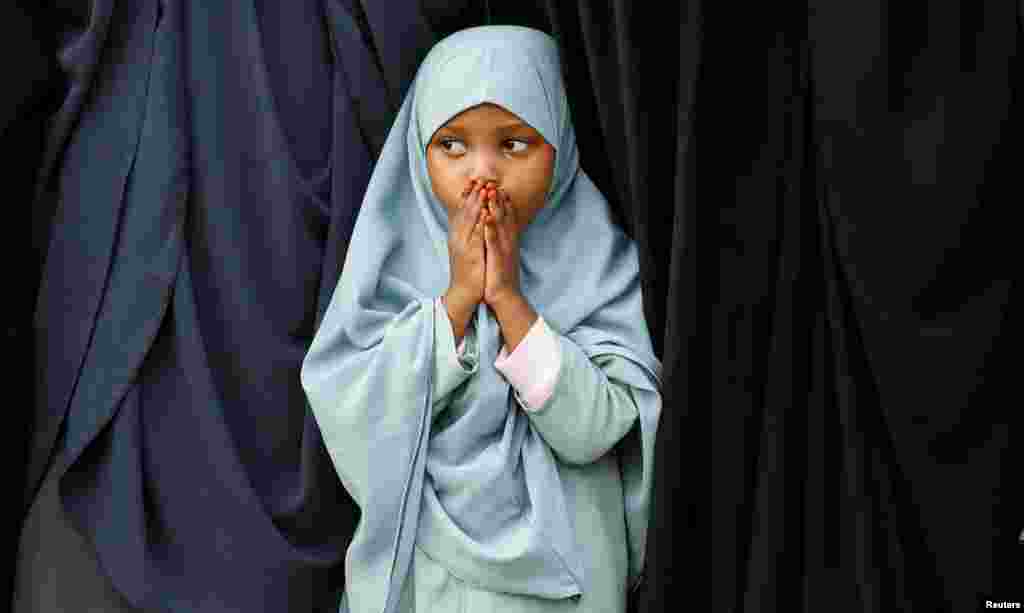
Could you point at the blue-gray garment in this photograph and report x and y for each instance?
(208, 164)
(482, 496)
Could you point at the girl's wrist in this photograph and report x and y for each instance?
(460, 310)
(515, 317)
(459, 298)
(502, 298)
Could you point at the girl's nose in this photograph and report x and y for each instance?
(485, 168)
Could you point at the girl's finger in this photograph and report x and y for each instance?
(467, 193)
(476, 234)
(498, 210)
(485, 202)
(481, 199)
(468, 217)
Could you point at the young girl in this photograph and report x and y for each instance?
(484, 378)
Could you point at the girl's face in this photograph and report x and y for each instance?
(488, 143)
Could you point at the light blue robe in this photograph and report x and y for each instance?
(488, 494)
(589, 411)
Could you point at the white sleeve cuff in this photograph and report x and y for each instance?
(532, 369)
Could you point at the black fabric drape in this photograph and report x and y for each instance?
(822, 194)
(31, 91)
(918, 134)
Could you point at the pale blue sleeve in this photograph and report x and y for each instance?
(589, 410)
(450, 369)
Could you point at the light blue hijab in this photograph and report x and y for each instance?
(482, 496)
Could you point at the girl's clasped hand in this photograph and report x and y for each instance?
(483, 241)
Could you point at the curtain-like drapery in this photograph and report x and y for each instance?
(199, 180)
(822, 195)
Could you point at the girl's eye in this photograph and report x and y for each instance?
(516, 146)
(452, 146)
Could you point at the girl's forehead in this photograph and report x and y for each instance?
(488, 115)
